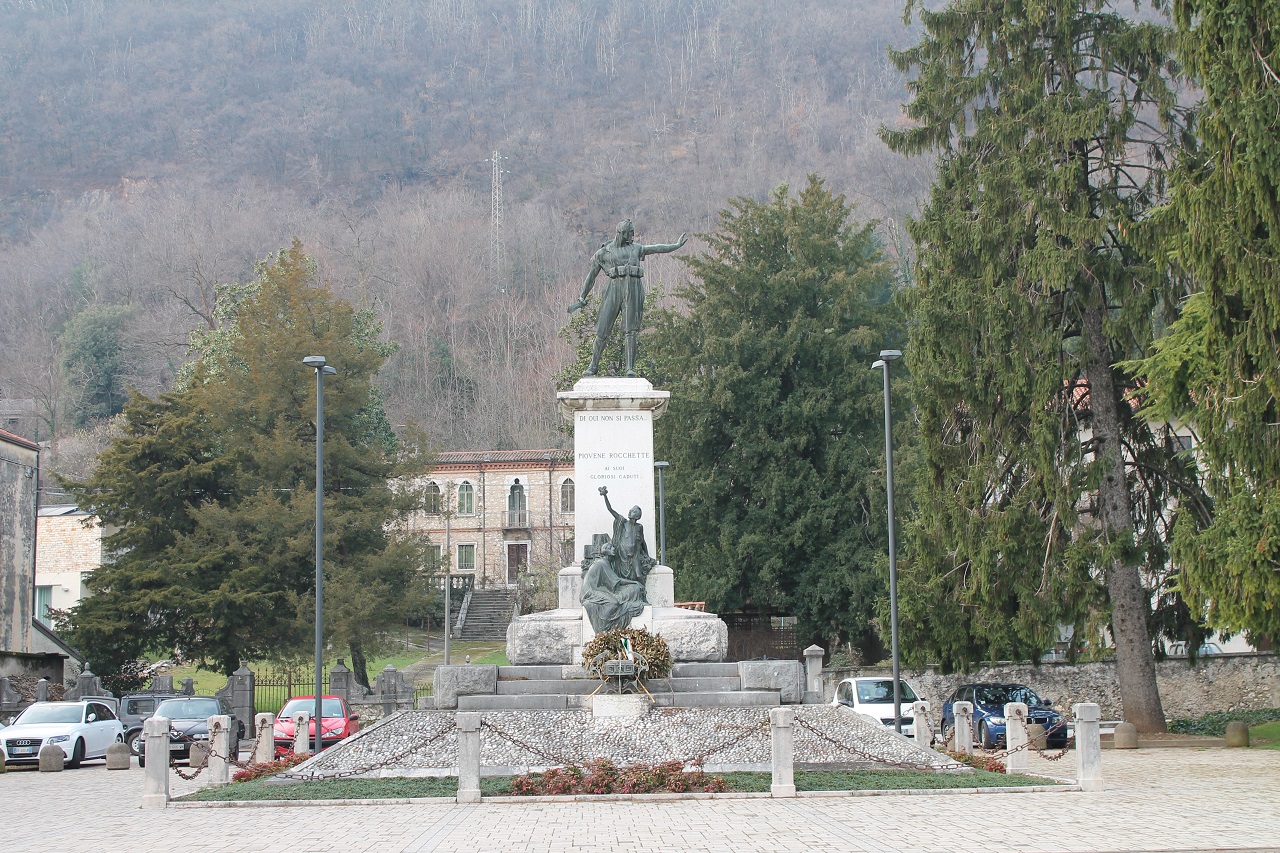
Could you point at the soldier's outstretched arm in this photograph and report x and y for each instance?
(661, 248)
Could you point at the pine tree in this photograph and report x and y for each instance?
(775, 429)
(1218, 369)
(222, 569)
(1043, 487)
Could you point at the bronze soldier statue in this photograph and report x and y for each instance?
(620, 260)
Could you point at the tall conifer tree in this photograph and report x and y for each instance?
(775, 431)
(1044, 489)
(1219, 367)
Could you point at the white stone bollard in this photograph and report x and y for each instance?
(813, 675)
(1015, 737)
(155, 746)
(468, 723)
(220, 757)
(301, 739)
(781, 725)
(921, 725)
(963, 712)
(264, 749)
(1088, 746)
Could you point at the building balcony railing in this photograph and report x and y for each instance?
(516, 520)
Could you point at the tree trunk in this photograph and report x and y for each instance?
(1130, 604)
(359, 666)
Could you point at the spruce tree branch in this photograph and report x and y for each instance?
(1270, 72)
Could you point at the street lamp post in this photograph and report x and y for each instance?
(322, 370)
(887, 356)
(662, 512)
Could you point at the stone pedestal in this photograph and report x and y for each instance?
(613, 447)
(625, 706)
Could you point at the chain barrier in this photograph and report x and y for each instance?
(747, 731)
(528, 747)
(1029, 745)
(377, 765)
(862, 753)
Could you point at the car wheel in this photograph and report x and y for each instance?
(77, 754)
(134, 742)
(984, 734)
(142, 758)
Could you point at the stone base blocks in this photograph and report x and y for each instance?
(52, 758)
(220, 757)
(301, 743)
(474, 687)
(118, 757)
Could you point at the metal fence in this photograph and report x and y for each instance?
(272, 690)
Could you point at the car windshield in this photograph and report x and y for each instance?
(188, 709)
(881, 691)
(331, 707)
(1001, 694)
(51, 714)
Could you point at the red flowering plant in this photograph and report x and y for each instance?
(602, 776)
(268, 768)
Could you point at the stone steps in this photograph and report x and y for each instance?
(579, 686)
(574, 702)
(488, 615)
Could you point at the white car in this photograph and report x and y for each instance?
(83, 729)
(873, 696)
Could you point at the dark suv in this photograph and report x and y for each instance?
(134, 709)
(189, 722)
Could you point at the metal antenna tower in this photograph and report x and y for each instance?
(497, 245)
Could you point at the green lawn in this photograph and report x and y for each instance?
(372, 789)
(1265, 736)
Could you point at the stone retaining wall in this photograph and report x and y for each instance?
(1215, 683)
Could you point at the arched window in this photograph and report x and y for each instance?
(431, 499)
(566, 495)
(516, 501)
(466, 499)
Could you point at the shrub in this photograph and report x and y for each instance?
(651, 646)
(1215, 724)
(268, 768)
(980, 762)
(602, 776)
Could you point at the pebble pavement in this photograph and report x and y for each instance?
(723, 738)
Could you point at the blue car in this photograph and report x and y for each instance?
(988, 713)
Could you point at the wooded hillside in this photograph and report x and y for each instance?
(153, 150)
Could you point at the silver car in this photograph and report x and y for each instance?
(83, 730)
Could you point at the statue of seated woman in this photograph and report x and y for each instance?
(610, 599)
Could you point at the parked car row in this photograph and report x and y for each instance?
(85, 729)
(873, 696)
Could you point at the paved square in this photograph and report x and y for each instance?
(1155, 800)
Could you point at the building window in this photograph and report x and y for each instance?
(466, 558)
(466, 499)
(566, 496)
(517, 506)
(434, 558)
(431, 499)
(44, 600)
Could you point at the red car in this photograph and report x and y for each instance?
(338, 722)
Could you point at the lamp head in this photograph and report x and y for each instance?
(314, 361)
(661, 464)
(329, 370)
(876, 365)
(890, 354)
